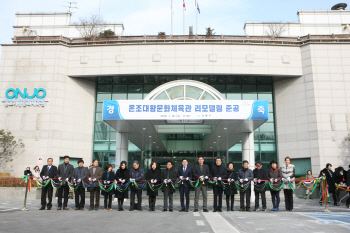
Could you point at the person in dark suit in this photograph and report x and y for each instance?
(95, 173)
(201, 172)
(122, 175)
(28, 172)
(136, 174)
(168, 175)
(218, 173)
(260, 175)
(184, 173)
(48, 171)
(154, 175)
(108, 178)
(64, 173)
(80, 173)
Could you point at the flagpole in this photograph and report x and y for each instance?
(172, 17)
(196, 17)
(184, 9)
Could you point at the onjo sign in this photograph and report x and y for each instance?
(39, 93)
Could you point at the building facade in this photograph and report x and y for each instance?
(305, 79)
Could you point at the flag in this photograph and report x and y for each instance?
(199, 11)
(184, 5)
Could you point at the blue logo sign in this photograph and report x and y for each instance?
(39, 93)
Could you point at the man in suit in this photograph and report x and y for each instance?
(202, 173)
(95, 173)
(245, 175)
(168, 175)
(80, 173)
(48, 171)
(64, 173)
(218, 172)
(184, 173)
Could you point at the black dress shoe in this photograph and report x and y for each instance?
(131, 209)
(219, 210)
(195, 210)
(182, 210)
(205, 210)
(42, 208)
(170, 210)
(49, 208)
(214, 210)
(164, 210)
(186, 210)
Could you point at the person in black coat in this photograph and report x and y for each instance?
(231, 189)
(28, 172)
(218, 173)
(153, 176)
(48, 171)
(108, 178)
(168, 175)
(184, 173)
(201, 172)
(260, 174)
(328, 173)
(338, 179)
(122, 175)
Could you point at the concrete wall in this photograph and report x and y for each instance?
(312, 111)
(65, 124)
(319, 22)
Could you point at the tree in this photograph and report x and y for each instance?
(209, 31)
(9, 147)
(275, 29)
(107, 33)
(90, 28)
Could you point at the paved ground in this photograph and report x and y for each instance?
(306, 217)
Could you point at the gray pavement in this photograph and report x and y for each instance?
(307, 216)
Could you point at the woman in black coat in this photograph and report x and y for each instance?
(231, 189)
(108, 178)
(153, 176)
(122, 175)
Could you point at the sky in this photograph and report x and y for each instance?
(152, 16)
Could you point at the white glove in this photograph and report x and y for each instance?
(288, 178)
(241, 180)
(219, 178)
(79, 180)
(229, 180)
(66, 179)
(44, 177)
(271, 180)
(120, 180)
(246, 179)
(59, 178)
(123, 181)
(206, 177)
(186, 178)
(89, 179)
(165, 181)
(108, 182)
(74, 180)
(169, 180)
(259, 181)
(201, 177)
(155, 181)
(254, 179)
(181, 177)
(94, 179)
(151, 181)
(283, 179)
(104, 182)
(215, 178)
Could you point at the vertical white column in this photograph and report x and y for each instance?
(121, 151)
(249, 155)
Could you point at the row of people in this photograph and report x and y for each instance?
(66, 172)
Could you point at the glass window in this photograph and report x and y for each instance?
(101, 156)
(248, 88)
(193, 92)
(267, 97)
(176, 92)
(135, 92)
(103, 96)
(162, 96)
(101, 145)
(264, 88)
(207, 96)
(101, 126)
(99, 116)
(99, 107)
(100, 136)
(104, 80)
(249, 96)
(234, 96)
(267, 127)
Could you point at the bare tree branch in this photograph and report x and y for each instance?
(275, 29)
(90, 28)
(9, 147)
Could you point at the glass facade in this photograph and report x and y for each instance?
(233, 87)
